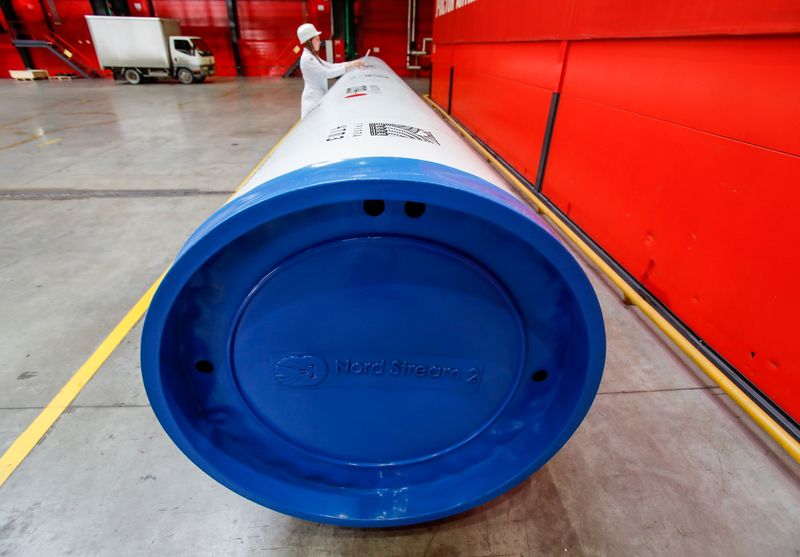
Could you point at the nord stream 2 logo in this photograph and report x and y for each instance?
(427, 372)
(300, 370)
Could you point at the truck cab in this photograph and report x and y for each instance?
(192, 59)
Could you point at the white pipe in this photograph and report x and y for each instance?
(414, 23)
(351, 121)
(408, 36)
(424, 50)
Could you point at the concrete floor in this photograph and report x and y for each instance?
(100, 184)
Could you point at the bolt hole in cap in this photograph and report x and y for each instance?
(204, 366)
(414, 209)
(374, 207)
(372, 372)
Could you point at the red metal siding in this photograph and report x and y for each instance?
(742, 88)
(268, 33)
(677, 153)
(509, 89)
(705, 223)
(9, 57)
(425, 10)
(383, 27)
(440, 75)
(523, 20)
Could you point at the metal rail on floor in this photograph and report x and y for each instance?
(766, 422)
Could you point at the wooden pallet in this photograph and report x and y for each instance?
(60, 78)
(28, 75)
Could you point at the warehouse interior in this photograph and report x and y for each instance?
(655, 145)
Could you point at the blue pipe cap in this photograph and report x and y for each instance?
(373, 342)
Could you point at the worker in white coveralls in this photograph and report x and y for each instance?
(316, 71)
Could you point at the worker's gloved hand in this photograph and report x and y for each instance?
(355, 64)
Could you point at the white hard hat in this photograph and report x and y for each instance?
(306, 32)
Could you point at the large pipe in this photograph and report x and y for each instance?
(375, 331)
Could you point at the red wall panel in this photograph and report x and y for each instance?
(503, 21)
(496, 87)
(632, 18)
(383, 27)
(9, 57)
(425, 9)
(745, 88)
(523, 20)
(443, 58)
(678, 154)
(700, 220)
(268, 33)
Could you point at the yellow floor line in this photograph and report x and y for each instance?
(51, 141)
(756, 413)
(29, 438)
(25, 443)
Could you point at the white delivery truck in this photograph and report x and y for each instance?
(135, 48)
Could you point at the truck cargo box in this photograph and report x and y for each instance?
(141, 42)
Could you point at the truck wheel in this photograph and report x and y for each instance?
(132, 76)
(185, 76)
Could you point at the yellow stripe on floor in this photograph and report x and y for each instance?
(51, 141)
(29, 438)
(25, 443)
